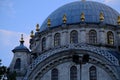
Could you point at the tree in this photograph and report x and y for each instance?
(5, 73)
(3, 70)
(11, 75)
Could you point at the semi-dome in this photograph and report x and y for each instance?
(73, 10)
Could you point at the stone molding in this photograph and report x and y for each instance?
(81, 46)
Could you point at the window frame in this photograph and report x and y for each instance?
(92, 37)
(110, 38)
(73, 73)
(17, 64)
(73, 36)
(57, 39)
(43, 43)
(93, 73)
(54, 74)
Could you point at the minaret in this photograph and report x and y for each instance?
(21, 59)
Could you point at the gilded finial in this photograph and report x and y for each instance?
(64, 18)
(21, 40)
(37, 27)
(118, 21)
(32, 34)
(49, 22)
(101, 16)
(82, 16)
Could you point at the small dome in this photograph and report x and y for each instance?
(20, 48)
(73, 10)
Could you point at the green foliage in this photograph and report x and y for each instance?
(11, 75)
(4, 71)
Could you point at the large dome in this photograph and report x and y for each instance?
(73, 10)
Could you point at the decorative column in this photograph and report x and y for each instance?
(49, 41)
(83, 35)
(64, 37)
(102, 36)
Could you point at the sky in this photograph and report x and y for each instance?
(20, 17)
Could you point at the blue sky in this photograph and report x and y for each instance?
(20, 17)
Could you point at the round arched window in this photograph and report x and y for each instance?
(73, 73)
(92, 73)
(17, 64)
(57, 39)
(92, 37)
(110, 38)
(43, 44)
(74, 37)
(54, 74)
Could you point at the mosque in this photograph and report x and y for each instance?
(78, 41)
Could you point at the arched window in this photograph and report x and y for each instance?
(17, 64)
(92, 37)
(93, 73)
(54, 74)
(43, 44)
(57, 39)
(73, 73)
(74, 37)
(110, 38)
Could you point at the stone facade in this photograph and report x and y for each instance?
(99, 40)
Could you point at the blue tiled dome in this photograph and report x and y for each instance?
(73, 10)
(20, 48)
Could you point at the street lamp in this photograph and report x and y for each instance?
(4, 77)
(76, 59)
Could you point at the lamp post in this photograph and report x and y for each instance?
(5, 77)
(80, 69)
(76, 59)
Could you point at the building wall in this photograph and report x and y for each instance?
(24, 63)
(83, 36)
(64, 72)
